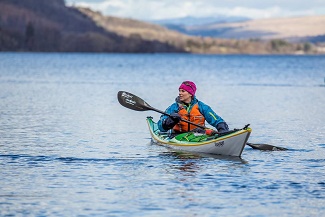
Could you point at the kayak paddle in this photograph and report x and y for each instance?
(265, 147)
(134, 102)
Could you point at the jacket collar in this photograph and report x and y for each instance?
(180, 103)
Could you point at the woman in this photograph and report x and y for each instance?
(188, 107)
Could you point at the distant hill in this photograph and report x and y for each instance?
(294, 29)
(136, 29)
(198, 21)
(196, 44)
(181, 24)
(51, 26)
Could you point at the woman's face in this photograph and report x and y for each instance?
(184, 96)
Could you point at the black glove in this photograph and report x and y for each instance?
(171, 121)
(222, 127)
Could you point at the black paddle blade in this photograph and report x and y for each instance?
(265, 147)
(131, 101)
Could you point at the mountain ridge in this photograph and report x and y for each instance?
(294, 29)
(198, 21)
(193, 44)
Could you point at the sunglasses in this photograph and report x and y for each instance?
(188, 84)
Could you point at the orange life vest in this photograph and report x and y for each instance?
(194, 116)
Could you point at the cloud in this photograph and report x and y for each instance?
(157, 9)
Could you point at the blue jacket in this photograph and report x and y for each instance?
(210, 116)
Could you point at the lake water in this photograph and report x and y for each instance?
(68, 148)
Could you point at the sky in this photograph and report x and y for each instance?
(167, 9)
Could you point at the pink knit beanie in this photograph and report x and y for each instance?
(189, 86)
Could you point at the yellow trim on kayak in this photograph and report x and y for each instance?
(200, 143)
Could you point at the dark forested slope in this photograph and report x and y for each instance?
(38, 25)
